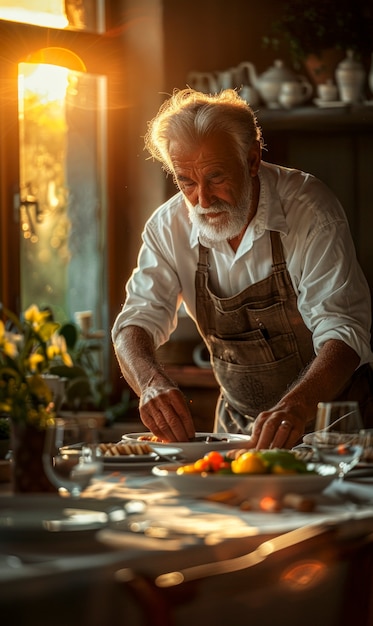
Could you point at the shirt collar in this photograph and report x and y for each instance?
(270, 212)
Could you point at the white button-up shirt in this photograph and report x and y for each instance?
(333, 294)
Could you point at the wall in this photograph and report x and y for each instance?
(208, 35)
(137, 185)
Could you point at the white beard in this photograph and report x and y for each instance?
(231, 221)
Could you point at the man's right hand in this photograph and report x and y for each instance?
(166, 414)
(163, 408)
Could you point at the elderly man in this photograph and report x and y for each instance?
(262, 257)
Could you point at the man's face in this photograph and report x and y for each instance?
(216, 186)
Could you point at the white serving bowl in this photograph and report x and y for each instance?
(246, 485)
(193, 450)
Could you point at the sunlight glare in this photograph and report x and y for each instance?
(48, 82)
(49, 13)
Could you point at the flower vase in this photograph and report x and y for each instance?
(27, 470)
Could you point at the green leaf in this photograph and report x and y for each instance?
(68, 372)
(70, 332)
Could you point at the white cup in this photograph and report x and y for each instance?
(327, 92)
(84, 320)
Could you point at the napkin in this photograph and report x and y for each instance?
(117, 485)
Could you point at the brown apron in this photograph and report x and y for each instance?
(257, 339)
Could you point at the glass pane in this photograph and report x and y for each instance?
(85, 15)
(62, 174)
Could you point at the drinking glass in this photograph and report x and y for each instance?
(337, 437)
(367, 445)
(72, 456)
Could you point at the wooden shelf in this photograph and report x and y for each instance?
(314, 119)
(191, 376)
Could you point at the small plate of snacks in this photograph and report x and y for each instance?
(247, 474)
(135, 455)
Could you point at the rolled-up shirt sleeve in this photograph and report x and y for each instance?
(334, 298)
(153, 291)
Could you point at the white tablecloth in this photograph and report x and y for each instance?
(171, 516)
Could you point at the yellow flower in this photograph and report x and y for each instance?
(35, 317)
(40, 322)
(57, 347)
(34, 360)
(8, 347)
(28, 354)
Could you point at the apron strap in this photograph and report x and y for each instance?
(203, 258)
(279, 263)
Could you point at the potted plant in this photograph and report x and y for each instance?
(87, 390)
(317, 33)
(29, 346)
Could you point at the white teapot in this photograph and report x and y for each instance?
(270, 82)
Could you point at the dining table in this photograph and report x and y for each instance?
(134, 550)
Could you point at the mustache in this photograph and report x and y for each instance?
(217, 207)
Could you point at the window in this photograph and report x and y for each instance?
(73, 14)
(53, 119)
(62, 183)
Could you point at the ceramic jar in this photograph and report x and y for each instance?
(350, 76)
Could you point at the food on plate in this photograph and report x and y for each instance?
(150, 437)
(208, 438)
(124, 449)
(276, 461)
(205, 438)
(249, 463)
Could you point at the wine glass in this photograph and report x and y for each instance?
(337, 436)
(71, 456)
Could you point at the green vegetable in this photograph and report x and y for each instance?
(284, 458)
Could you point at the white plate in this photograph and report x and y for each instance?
(150, 458)
(193, 450)
(245, 485)
(25, 516)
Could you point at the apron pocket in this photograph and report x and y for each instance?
(252, 348)
(246, 348)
